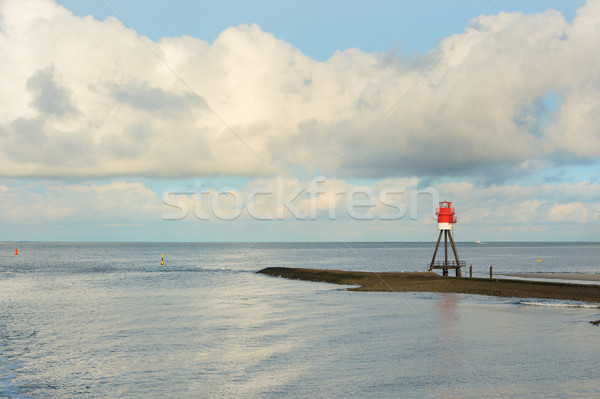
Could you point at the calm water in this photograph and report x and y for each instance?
(106, 320)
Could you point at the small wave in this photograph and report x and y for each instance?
(198, 270)
(561, 304)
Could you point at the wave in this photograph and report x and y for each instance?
(197, 270)
(561, 304)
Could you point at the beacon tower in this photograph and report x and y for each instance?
(446, 221)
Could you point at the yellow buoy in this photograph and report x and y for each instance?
(162, 259)
(539, 260)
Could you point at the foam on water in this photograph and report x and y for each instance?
(561, 304)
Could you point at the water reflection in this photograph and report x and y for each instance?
(447, 315)
(447, 364)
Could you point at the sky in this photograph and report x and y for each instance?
(298, 121)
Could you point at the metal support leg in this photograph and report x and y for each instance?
(445, 247)
(436, 249)
(458, 271)
(454, 250)
(445, 252)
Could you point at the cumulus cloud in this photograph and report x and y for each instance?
(403, 200)
(50, 98)
(516, 205)
(118, 202)
(85, 98)
(571, 212)
(288, 208)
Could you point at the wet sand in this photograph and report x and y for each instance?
(431, 282)
(558, 276)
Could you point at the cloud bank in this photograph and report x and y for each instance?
(271, 206)
(86, 98)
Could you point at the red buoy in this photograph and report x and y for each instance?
(16, 251)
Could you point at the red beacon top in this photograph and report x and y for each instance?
(445, 214)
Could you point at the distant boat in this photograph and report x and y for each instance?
(479, 242)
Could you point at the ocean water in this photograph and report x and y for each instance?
(107, 320)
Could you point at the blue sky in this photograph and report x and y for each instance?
(317, 28)
(102, 131)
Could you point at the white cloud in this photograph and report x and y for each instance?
(570, 212)
(533, 205)
(82, 97)
(111, 203)
(487, 213)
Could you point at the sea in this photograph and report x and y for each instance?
(107, 320)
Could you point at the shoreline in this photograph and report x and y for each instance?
(432, 282)
(557, 276)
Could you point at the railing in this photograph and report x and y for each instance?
(451, 263)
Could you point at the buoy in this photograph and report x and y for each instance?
(162, 259)
(539, 260)
(16, 251)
